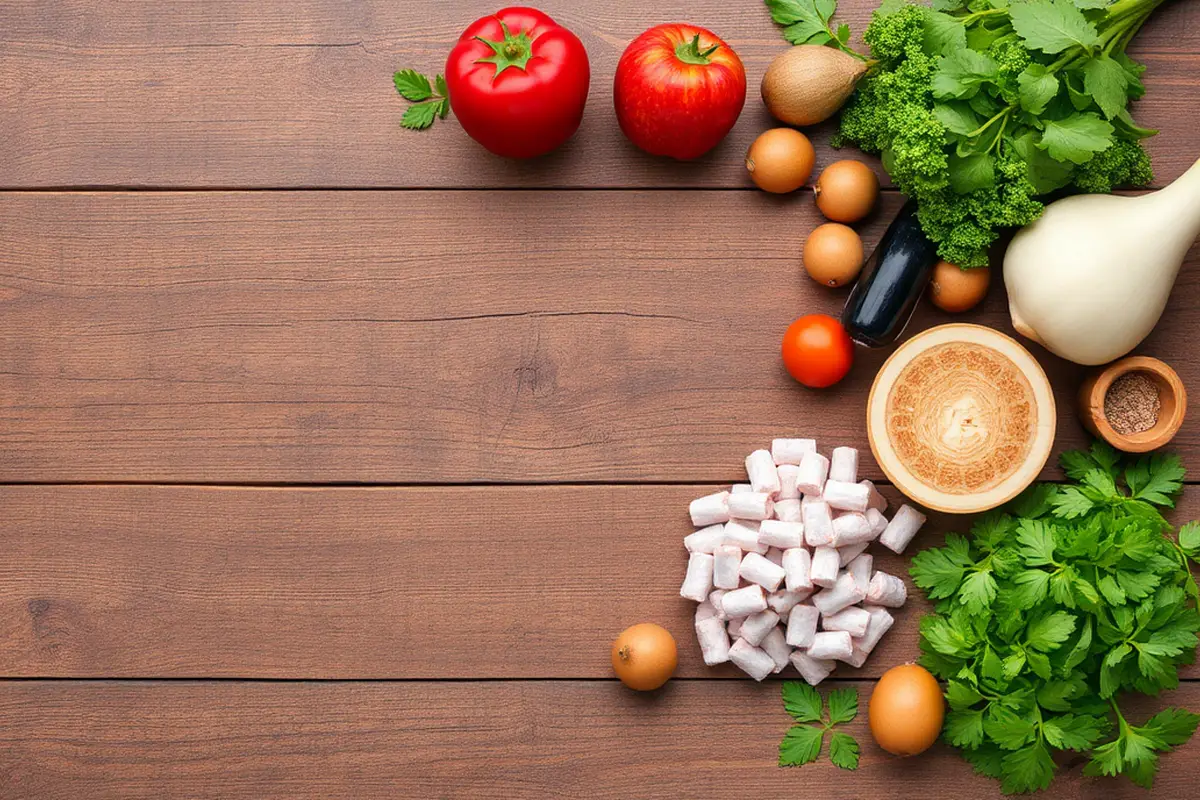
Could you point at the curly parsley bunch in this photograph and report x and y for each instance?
(1051, 611)
(979, 108)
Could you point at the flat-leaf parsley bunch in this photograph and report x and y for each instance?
(1053, 609)
(802, 743)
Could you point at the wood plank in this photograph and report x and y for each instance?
(294, 94)
(242, 741)
(432, 583)
(429, 337)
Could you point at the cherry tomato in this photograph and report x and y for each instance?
(817, 351)
(518, 82)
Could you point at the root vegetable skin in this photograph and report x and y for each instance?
(1115, 257)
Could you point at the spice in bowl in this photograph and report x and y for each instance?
(1132, 404)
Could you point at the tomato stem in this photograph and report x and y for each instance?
(514, 50)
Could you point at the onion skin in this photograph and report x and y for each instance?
(809, 83)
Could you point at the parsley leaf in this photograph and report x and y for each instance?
(1044, 621)
(802, 701)
(1104, 79)
(960, 74)
(1036, 88)
(843, 750)
(431, 99)
(843, 705)
(809, 22)
(801, 745)
(1052, 27)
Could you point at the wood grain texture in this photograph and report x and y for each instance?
(425, 337)
(516, 582)
(238, 741)
(289, 93)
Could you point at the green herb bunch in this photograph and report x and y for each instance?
(981, 107)
(802, 743)
(1053, 609)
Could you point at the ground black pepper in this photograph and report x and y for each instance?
(1132, 404)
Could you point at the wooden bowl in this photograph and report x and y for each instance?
(1171, 394)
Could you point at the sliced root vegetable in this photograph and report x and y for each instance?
(710, 509)
(961, 418)
(813, 670)
(757, 569)
(802, 625)
(698, 581)
(886, 590)
(713, 639)
(749, 659)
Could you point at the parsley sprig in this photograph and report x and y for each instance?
(802, 744)
(430, 99)
(811, 22)
(1054, 608)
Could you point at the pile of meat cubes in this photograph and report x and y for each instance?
(780, 569)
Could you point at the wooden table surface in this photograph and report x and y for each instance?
(333, 456)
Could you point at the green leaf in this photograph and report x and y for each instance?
(413, 86)
(800, 745)
(1052, 27)
(973, 172)
(1189, 539)
(1076, 463)
(964, 728)
(1091, 3)
(1082, 646)
(1137, 585)
(1159, 478)
(804, 21)
(420, 116)
(1104, 79)
(988, 760)
(1106, 760)
(843, 33)
(1035, 539)
(802, 701)
(843, 705)
(977, 592)
(1105, 456)
(956, 117)
(939, 571)
(1113, 594)
(1049, 632)
(843, 750)
(960, 74)
(1044, 174)
(1077, 138)
(1071, 732)
(1028, 769)
(1073, 503)
(944, 34)
(960, 695)
(1056, 695)
(1029, 588)
(1173, 726)
(1007, 729)
(1036, 88)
